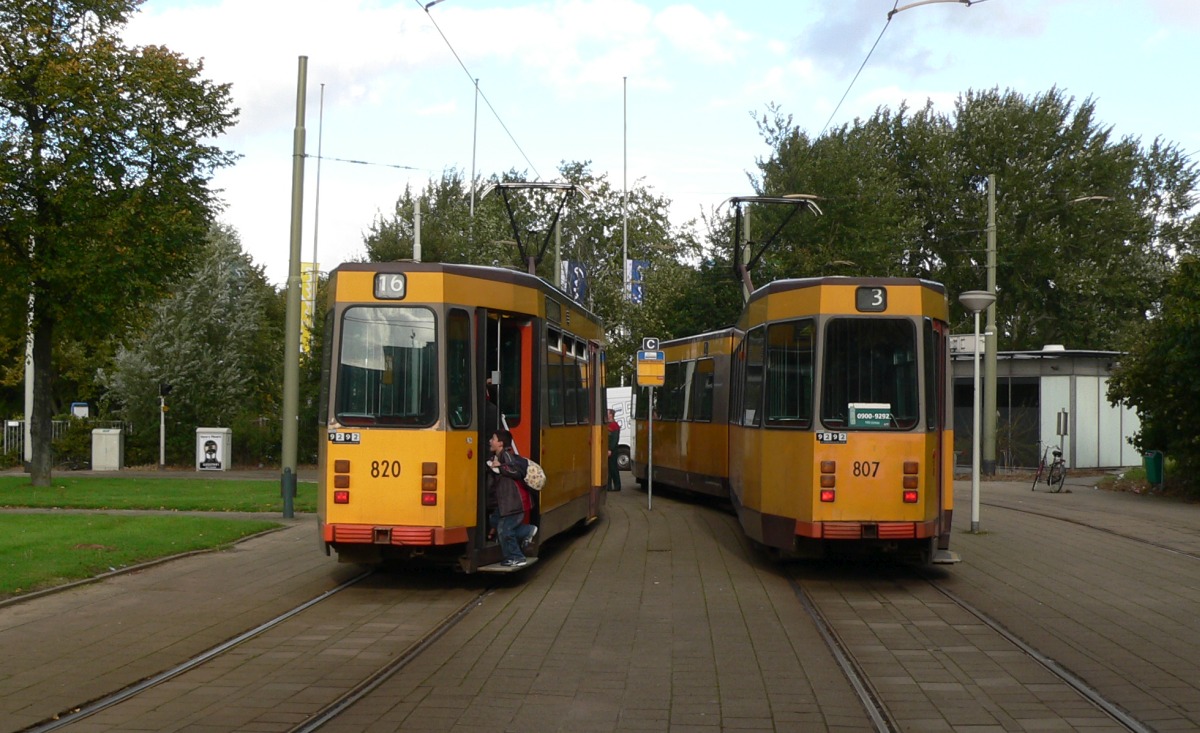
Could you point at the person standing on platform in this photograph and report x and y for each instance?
(614, 449)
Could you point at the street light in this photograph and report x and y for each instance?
(975, 301)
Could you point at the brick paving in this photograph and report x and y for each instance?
(664, 619)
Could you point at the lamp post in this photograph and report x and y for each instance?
(975, 301)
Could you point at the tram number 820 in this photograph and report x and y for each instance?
(868, 469)
(385, 469)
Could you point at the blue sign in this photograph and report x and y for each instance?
(650, 356)
(575, 278)
(634, 272)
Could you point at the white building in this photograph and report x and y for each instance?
(1037, 393)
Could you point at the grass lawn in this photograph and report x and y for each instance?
(154, 492)
(42, 550)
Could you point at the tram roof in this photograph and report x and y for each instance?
(780, 286)
(511, 276)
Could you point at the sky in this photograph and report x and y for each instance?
(657, 94)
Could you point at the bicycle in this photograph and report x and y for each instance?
(1056, 472)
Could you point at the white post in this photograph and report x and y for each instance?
(417, 229)
(162, 432)
(975, 437)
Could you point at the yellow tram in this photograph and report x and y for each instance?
(831, 423)
(410, 349)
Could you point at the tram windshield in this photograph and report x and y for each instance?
(387, 367)
(870, 379)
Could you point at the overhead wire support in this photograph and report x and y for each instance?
(743, 262)
(475, 83)
(896, 8)
(531, 259)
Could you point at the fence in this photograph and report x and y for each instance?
(14, 433)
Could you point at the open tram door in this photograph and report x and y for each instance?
(505, 369)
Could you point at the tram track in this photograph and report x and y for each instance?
(78, 713)
(264, 660)
(877, 703)
(343, 703)
(1105, 530)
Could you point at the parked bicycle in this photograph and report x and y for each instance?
(1055, 472)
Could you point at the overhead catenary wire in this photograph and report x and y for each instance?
(895, 9)
(475, 83)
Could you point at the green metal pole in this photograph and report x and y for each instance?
(989, 342)
(291, 348)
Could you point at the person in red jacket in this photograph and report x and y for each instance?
(614, 448)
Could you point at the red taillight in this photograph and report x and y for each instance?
(341, 497)
(910, 496)
(429, 483)
(827, 495)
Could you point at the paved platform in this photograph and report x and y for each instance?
(664, 618)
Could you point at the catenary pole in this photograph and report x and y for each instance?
(989, 341)
(291, 347)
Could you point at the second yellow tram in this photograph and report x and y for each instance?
(824, 415)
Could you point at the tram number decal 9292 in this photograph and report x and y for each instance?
(827, 437)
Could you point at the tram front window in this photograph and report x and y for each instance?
(870, 379)
(387, 367)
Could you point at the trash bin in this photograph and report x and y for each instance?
(1152, 460)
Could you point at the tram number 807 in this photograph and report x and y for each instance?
(385, 469)
(868, 469)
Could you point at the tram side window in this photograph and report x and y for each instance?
(700, 404)
(458, 367)
(554, 379)
(387, 367)
(511, 368)
(671, 401)
(935, 375)
(583, 395)
(736, 379)
(870, 378)
(790, 374)
(570, 380)
(641, 406)
(752, 391)
(326, 368)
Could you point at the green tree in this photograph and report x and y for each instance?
(1157, 376)
(103, 177)
(1086, 223)
(590, 230)
(218, 340)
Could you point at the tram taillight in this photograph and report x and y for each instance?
(429, 483)
(828, 495)
(910, 496)
(341, 497)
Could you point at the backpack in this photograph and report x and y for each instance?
(535, 477)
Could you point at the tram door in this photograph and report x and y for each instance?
(506, 381)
